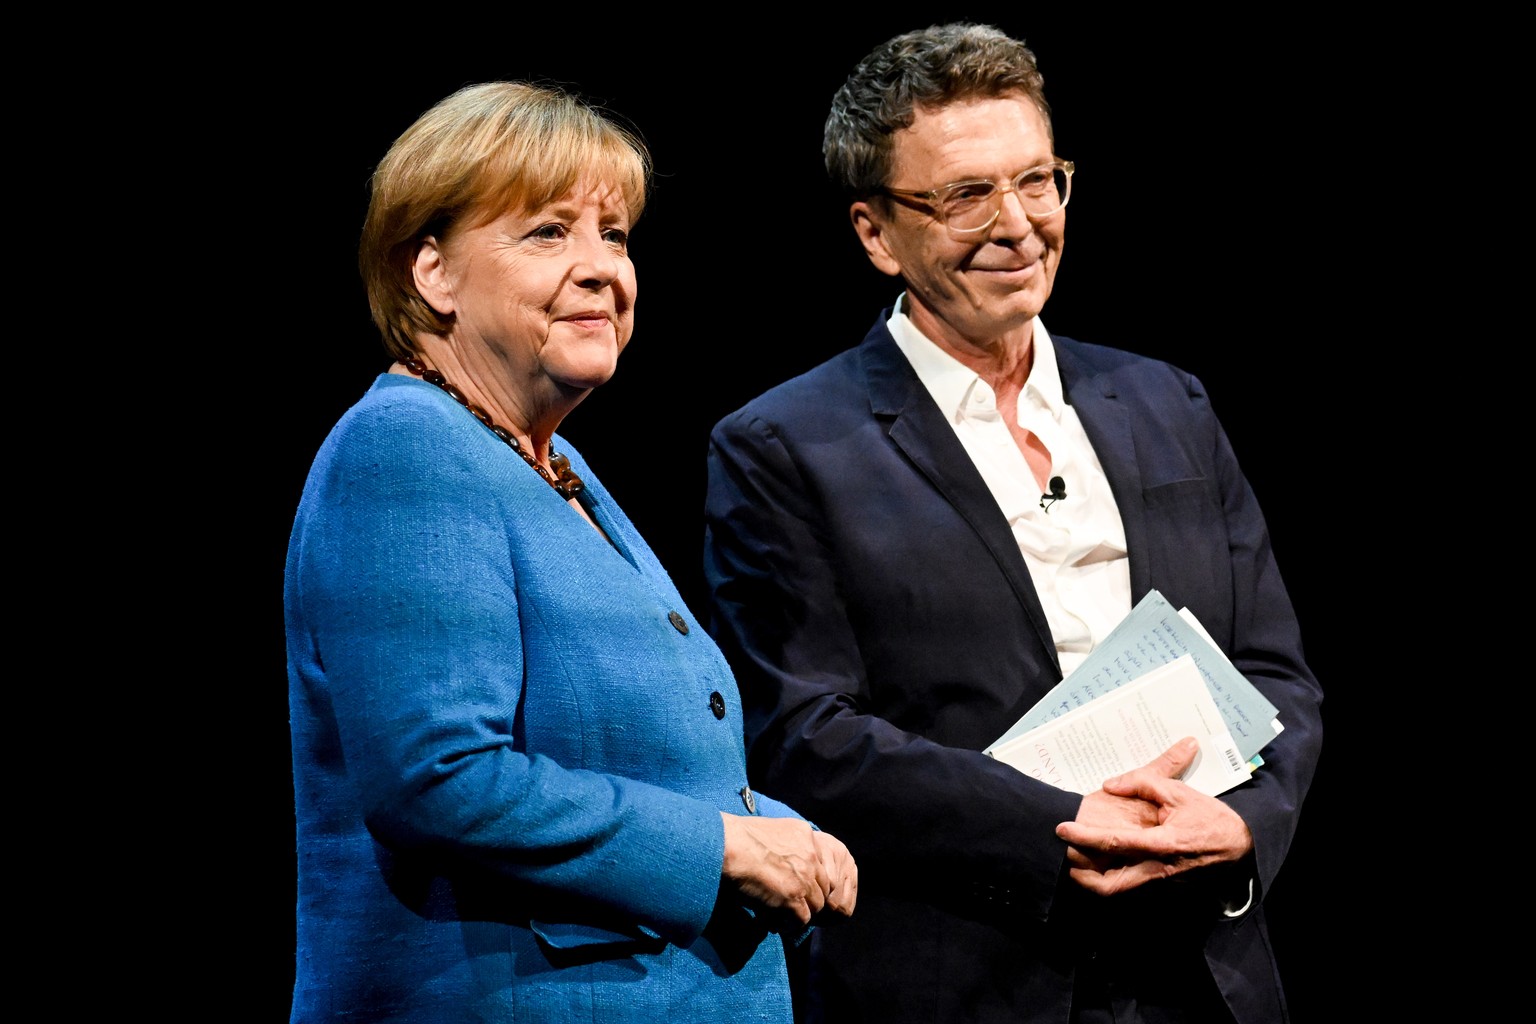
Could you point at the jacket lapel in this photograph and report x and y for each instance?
(1107, 423)
(917, 427)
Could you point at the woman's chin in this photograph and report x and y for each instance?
(581, 383)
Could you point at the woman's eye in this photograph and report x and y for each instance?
(551, 232)
(617, 238)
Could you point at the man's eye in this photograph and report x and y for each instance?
(969, 193)
(1036, 181)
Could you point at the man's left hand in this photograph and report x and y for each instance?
(1193, 830)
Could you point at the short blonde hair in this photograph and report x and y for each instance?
(479, 152)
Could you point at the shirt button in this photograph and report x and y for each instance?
(717, 704)
(678, 622)
(748, 800)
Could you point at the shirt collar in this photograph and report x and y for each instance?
(950, 381)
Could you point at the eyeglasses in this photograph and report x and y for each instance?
(967, 208)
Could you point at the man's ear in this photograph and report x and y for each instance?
(431, 274)
(870, 227)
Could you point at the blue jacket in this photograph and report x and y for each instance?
(884, 629)
(511, 747)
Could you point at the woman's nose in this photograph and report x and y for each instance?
(595, 260)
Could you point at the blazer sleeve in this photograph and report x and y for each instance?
(1263, 640)
(950, 823)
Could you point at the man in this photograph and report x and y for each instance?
(910, 544)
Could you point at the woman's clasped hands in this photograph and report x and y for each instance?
(789, 868)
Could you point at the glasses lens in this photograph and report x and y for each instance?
(973, 205)
(1042, 190)
(969, 205)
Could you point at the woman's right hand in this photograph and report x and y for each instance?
(785, 865)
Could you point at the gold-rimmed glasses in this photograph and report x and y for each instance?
(968, 208)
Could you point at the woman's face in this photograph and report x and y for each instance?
(547, 292)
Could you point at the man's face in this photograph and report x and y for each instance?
(971, 291)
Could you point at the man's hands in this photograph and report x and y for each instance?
(788, 867)
(1146, 825)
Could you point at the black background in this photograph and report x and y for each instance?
(1219, 219)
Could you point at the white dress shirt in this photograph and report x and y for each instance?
(1075, 547)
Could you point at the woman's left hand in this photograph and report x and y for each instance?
(785, 865)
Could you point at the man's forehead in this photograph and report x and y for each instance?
(975, 132)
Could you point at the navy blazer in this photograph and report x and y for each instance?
(883, 628)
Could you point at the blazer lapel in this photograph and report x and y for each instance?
(918, 427)
(1107, 423)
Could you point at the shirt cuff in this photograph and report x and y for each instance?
(1231, 910)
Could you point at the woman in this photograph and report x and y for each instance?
(518, 768)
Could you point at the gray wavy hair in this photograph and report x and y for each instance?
(926, 68)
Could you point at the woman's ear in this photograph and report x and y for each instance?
(431, 275)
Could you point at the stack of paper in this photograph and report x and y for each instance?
(1133, 697)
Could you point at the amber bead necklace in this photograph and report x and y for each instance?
(565, 481)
